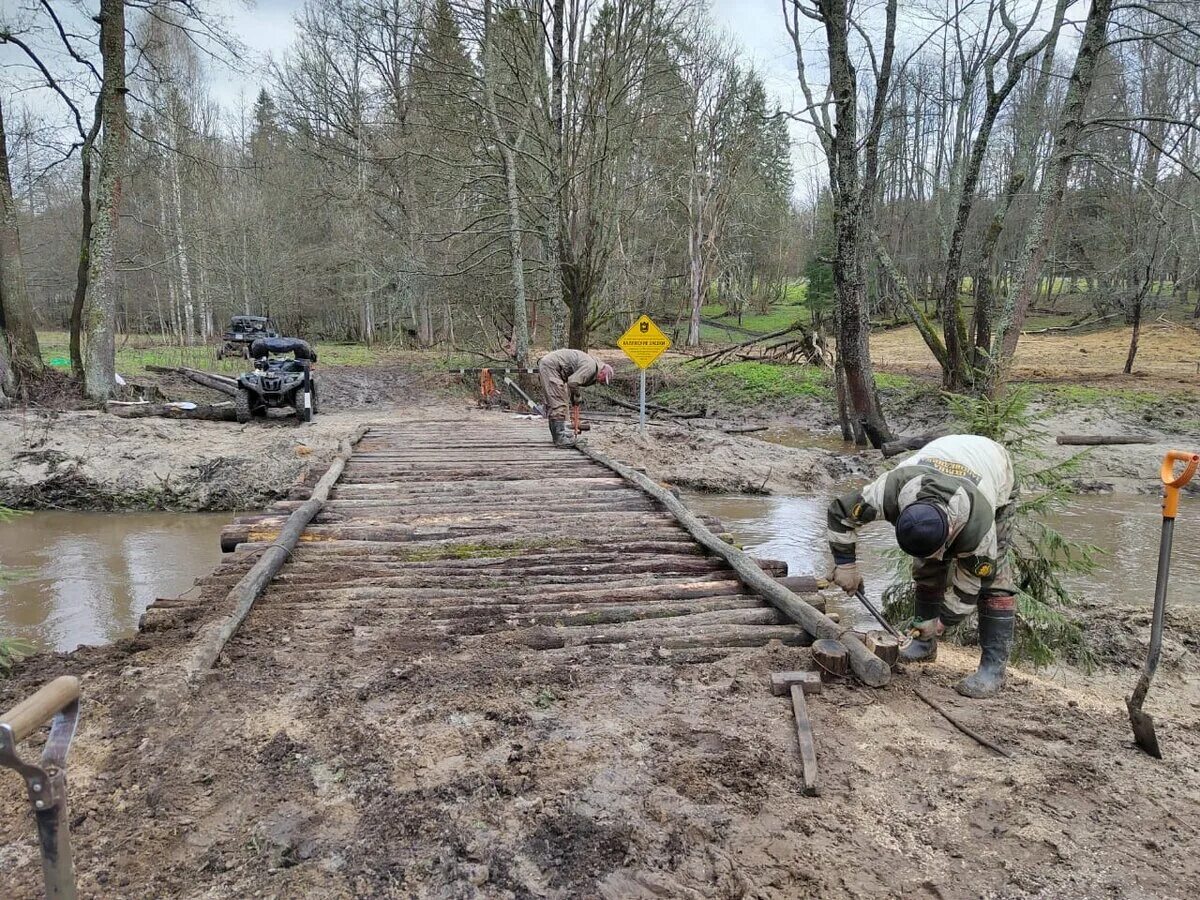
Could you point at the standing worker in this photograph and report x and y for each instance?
(563, 374)
(951, 504)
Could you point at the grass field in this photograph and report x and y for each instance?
(135, 352)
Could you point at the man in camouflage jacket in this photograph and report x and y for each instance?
(951, 504)
(564, 373)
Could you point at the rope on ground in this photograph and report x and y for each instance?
(212, 639)
(973, 735)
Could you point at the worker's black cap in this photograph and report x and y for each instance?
(922, 529)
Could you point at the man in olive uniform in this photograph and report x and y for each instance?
(951, 504)
(564, 373)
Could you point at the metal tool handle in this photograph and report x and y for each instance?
(1172, 482)
(891, 629)
(33, 712)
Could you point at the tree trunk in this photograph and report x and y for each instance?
(520, 332)
(848, 213)
(558, 181)
(99, 314)
(1054, 183)
(26, 356)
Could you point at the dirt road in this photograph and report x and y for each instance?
(353, 749)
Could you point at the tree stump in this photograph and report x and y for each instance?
(832, 658)
(884, 646)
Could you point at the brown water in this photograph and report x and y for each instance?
(86, 578)
(1126, 527)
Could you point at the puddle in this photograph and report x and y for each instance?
(802, 438)
(1126, 526)
(86, 578)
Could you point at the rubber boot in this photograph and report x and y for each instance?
(562, 433)
(995, 641)
(928, 606)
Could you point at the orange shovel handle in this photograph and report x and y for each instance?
(1172, 482)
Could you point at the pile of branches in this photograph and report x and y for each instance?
(793, 344)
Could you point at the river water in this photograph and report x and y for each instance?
(85, 578)
(1126, 527)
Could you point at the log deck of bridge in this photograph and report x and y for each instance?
(479, 527)
(489, 668)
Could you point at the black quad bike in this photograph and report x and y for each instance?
(242, 331)
(278, 383)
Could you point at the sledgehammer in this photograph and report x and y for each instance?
(797, 684)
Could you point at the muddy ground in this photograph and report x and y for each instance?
(378, 763)
(80, 459)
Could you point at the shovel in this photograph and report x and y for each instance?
(1142, 722)
(46, 781)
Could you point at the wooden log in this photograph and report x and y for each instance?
(868, 667)
(222, 383)
(1098, 440)
(884, 646)
(211, 640)
(545, 638)
(832, 658)
(906, 443)
(207, 412)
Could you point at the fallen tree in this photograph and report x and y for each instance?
(209, 412)
(1096, 440)
(222, 383)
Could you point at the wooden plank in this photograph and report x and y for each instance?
(804, 736)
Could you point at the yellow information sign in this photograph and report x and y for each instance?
(644, 342)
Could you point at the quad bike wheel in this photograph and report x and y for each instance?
(241, 406)
(316, 403)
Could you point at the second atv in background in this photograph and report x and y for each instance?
(243, 331)
(278, 383)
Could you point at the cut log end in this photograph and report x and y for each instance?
(884, 646)
(832, 658)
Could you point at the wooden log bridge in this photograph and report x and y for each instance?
(481, 528)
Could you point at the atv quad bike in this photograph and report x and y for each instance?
(243, 331)
(278, 383)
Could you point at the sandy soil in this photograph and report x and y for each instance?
(91, 460)
(1168, 356)
(709, 460)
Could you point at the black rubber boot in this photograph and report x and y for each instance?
(918, 649)
(562, 432)
(996, 618)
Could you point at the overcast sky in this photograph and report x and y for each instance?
(267, 28)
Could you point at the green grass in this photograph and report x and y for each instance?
(135, 352)
(745, 385)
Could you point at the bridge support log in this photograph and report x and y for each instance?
(212, 639)
(869, 668)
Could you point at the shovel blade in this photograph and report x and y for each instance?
(1143, 730)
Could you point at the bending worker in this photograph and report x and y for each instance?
(564, 373)
(951, 504)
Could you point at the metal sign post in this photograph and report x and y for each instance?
(642, 406)
(643, 343)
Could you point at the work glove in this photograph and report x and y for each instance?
(926, 629)
(845, 576)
